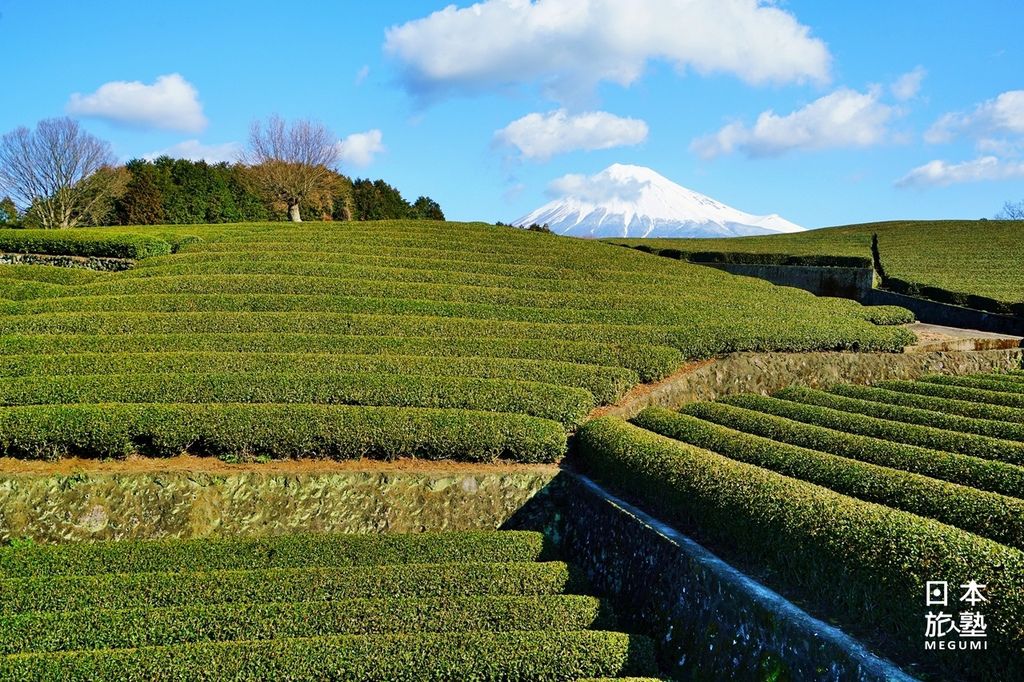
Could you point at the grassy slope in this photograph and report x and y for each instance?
(971, 257)
(467, 320)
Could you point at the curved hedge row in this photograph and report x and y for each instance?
(910, 415)
(509, 656)
(860, 562)
(981, 411)
(180, 589)
(911, 434)
(984, 474)
(558, 403)
(649, 362)
(288, 551)
(276, 431)
(93, 243)
(956, 392)
(715, 335)
(606, 384)
(984, 382)
(993, 516)
(42, 631)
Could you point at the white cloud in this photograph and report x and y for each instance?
(195, 150)
(359, 149)
(908, 85)
(362, 74)
(941, 173)
(844, 118)
(170, 103)
(541, 136)
(601, 187)
(569, 46)
(1003, 115)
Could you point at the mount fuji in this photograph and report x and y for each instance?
(634, 201)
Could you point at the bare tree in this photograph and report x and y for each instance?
(1012, 211)
(55, 172)
(291, 164)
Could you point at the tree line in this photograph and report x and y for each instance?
(62, 176)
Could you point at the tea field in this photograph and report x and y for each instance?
(850, 499)
(449, 606)
(972, 263)
(380, 340)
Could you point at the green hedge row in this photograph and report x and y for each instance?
(714, 334)
(288, 551)
(276, 431)
(425, 657)
(900, 432)
(606, 384)
(82, 243)
(961, 393)
(975, 472)
(887, 314)
(179, 589)
(649, 362)
(558, 403)
(862, 563)
(980, 411)
(41, 631)
(910, 415)
(508, 294)
(993, 516)
(984, 382)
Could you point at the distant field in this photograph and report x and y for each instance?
(848, 499)
(954, 261)
(451, 606)
(433, 340)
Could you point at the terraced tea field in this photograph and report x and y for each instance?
(847, 499)
(382, 340)
(972, 263)
(452, 606)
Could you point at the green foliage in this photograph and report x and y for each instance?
(910, 415)
(892, 395)
(449, 318)
(277, 431)
(97, 243)
(997, 517)
(377, 200)
(426, 208)
(911, 434)
(559, 403)
(862, 563)
(606, 384)
(9, 214)
(185, 588)
(290, 551)
(979, 473)
(511, 656)
(962, 262)
(41, 631)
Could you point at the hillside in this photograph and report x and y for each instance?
(953, 261)
(425, 339)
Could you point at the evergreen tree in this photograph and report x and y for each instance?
(427, 209)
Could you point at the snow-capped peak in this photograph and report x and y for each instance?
(635, 201)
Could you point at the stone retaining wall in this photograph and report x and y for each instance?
(111, 506)
(769, 372)
(87, 262)
(852, 283)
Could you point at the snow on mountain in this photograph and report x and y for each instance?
(634, 201)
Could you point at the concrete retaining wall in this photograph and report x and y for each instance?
(852, 283)
(769, 372)
(711, 621)
(933, 312)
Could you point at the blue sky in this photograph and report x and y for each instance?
(826, 113)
